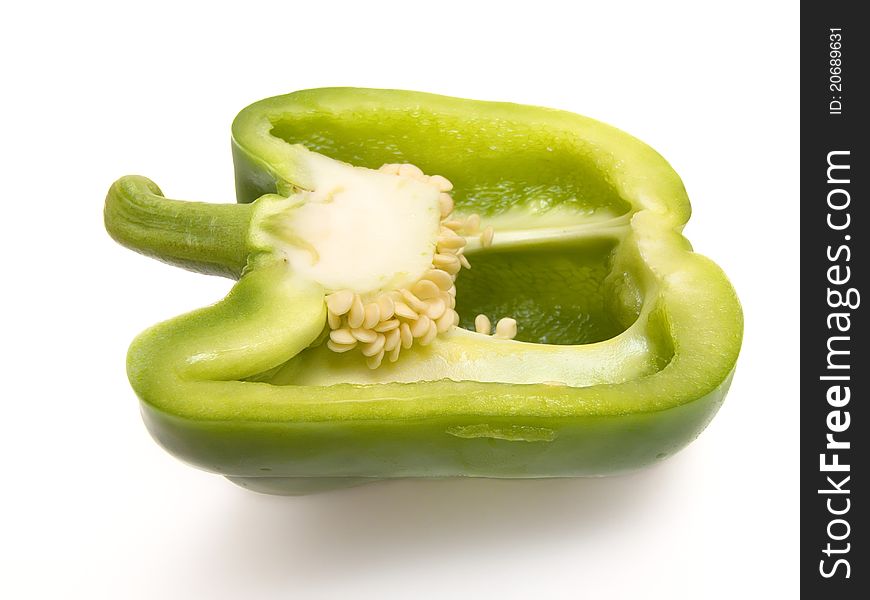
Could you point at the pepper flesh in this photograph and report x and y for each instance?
(238, 388)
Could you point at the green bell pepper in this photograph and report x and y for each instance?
(626, 340)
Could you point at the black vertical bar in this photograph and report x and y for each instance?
(835, 368)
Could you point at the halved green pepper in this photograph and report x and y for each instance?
(627, 339)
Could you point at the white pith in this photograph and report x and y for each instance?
(385, 249)
(365, 230)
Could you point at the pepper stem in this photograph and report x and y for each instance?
(199, 236)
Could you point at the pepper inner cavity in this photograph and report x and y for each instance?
(564, 293)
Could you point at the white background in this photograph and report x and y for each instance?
(94, 509)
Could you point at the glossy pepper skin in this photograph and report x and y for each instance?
(210, 382)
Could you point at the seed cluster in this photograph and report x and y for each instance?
(383, 324)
